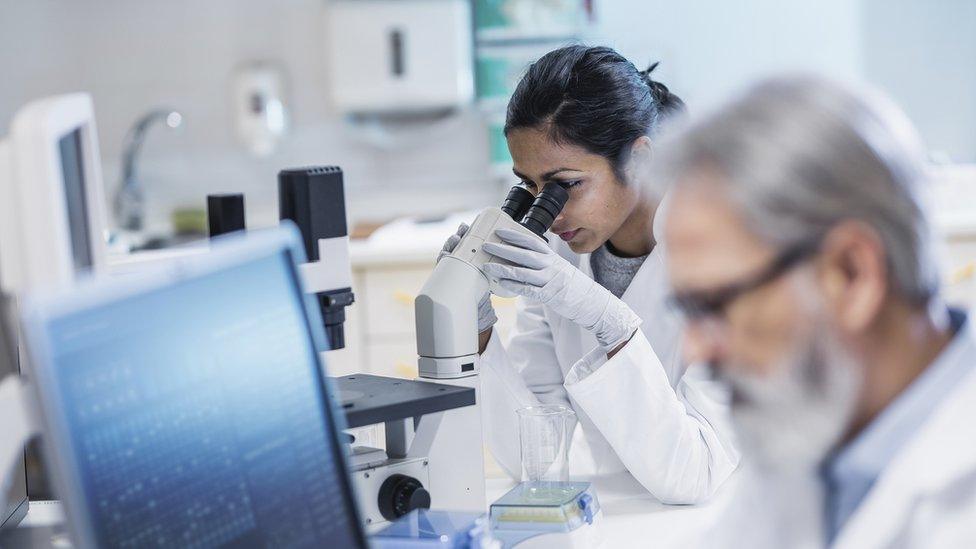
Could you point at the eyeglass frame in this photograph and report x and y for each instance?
(698, 305)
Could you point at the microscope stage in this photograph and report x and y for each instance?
(368, 399)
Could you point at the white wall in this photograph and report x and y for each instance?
(923, 53)
(709, 49)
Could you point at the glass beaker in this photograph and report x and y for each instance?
(545, 433)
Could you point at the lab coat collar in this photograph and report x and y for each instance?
(941, 454)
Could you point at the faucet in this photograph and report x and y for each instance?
(129, 204)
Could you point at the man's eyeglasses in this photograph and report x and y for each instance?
(699, 305)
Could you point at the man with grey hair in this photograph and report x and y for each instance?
(801, 256)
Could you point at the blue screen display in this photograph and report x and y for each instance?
(198, 419)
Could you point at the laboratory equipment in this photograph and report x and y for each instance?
(400, 56)
(188, 407)
(260, 107)
(447, 339)
(52, 219)
(544, 438)
(402, 477)
(130, 199)
(447, 330)
(394, 481)
(548, 514)
(423, 529)
(314, 199)
(225, 213)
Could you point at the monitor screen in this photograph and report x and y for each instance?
(73, 174)
(198, 416)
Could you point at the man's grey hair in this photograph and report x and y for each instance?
(799, 155)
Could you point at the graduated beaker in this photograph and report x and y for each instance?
(545, 433)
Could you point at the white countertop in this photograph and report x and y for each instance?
(631, 517)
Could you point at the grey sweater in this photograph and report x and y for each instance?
(612, 271)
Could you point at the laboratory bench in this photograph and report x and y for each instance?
(631, 517)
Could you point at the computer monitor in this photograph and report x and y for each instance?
(189, 406)
(52, 206)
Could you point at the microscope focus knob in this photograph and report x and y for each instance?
(401, 494)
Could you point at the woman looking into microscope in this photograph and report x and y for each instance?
(593, 332)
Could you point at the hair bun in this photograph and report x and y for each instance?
(668, 102)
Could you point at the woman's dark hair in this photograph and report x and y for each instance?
(591, 97)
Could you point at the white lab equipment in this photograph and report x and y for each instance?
(52, 211)
(540, 515)
(260, 108)
(393, 481)
(447, 340)
(395, 56)
(545, 433)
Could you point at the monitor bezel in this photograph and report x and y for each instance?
(36, 220)
(226, 252)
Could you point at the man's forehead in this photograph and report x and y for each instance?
(708, 240)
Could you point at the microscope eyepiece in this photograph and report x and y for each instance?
(545, 208)
(517, 202)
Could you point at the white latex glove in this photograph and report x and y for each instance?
(540, 273)
(486, 314)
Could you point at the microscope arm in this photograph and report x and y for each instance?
(447, 320)
(447, 306)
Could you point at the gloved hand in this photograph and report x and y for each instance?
(486, 314)
(540, 273)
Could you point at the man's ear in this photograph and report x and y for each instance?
(639, 161)
(853, 272)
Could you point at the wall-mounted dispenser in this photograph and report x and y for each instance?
(400, 56)
(260, 109)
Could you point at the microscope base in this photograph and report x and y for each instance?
(457, 456)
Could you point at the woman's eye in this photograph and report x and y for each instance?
(529, 185)
(569, 184)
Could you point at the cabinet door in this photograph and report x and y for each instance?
(388, 296)
(393, 357)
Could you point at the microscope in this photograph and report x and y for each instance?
(447, 339)
(313, 198)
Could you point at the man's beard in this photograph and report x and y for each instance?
(790, 422)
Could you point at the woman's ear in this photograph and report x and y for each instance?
(639, 163)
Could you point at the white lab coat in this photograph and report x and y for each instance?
(640, 410)
(926, 497)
